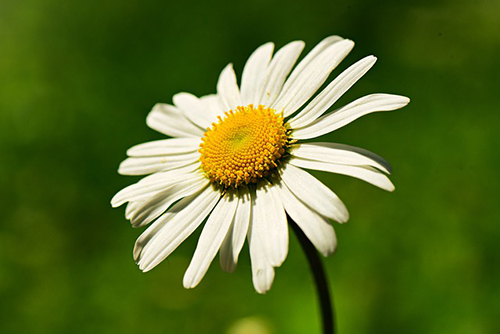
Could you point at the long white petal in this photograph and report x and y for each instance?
(315, 227)
(210, 240)
(158, 224)
(148, 165)
(262, 270)
(254, 72)
(280, 226)
(332, 92)
(306, 61)
(276, 73)
(314, 193)
(150, 209)
(130, 209)
(347, 114)
(227, 89)
(313, 76)
(169, 120)
(152, 184)
(270, 219)
(179, 227)
(340, 154)
(235, 238)
(368, 174)
(212, 105)
(194, 109)
(165, 147)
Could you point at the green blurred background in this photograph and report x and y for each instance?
(77, 79)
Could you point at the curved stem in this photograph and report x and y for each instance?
(316, 265)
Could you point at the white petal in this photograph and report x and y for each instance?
(212, 105)
(347, 114)
(278, 70)
(315, 227)
(194, 109)
(278, 226)
(304, 63)
(295, 94)
(150, 209)
(368, 174)
(262, 270)
(210, 240)
(177, 228)
(253, 73)
(332, 92)
(165, 147)
(150, 185)
(340, 154)
(148, 165)
(130, 209)
(152, 230)
(314, 193)
(235, 238)
(227, 89)
(270, 222)
(169, 120)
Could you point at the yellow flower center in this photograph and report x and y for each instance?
(244, 146)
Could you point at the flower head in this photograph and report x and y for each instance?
(236, 159)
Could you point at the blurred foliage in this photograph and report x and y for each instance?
(77, 79)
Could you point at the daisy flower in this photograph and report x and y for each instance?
(236, 159)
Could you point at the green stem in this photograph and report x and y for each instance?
(316, 266)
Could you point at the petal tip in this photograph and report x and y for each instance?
(344, 218)
(330, 250)
(115, 202)
(188, 283)
(348, 41)
(145, 268)
(298, 43)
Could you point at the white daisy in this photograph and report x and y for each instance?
(236, 159)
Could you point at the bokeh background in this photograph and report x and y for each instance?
(77, 79)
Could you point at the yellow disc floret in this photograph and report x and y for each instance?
(244, 146)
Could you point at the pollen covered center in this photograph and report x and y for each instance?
(244, 146)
